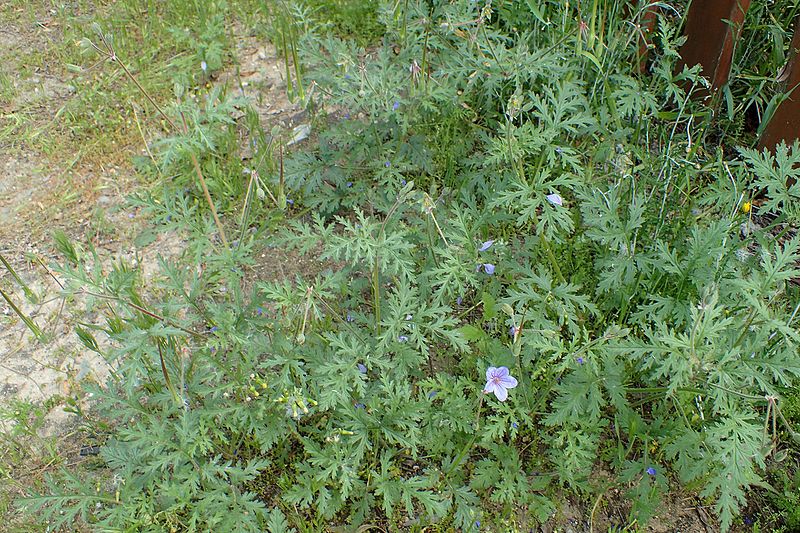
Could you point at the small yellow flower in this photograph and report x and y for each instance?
(746, 207)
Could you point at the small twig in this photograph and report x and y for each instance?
(142, 310)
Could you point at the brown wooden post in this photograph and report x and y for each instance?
(785, 122)
(712, 27)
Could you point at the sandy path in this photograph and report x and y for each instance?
(33, 186)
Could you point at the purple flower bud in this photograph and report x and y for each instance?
(395, 106)
(290, 201)
(402, 338)
(477, 523)
(486, 245)
(259, 311)
(213, 349)
(359, 406)
(651, 471)
(349, 184)
(213, 329)
(459, 300)
(131, 215)
(432, 394)
(349, 317)
(514, 425)
(347, 116)
(512, 330)
(347, 76)
(204, 66)
(488, 268)
(403, 182)
(555, 199)
(362, 368)
(387, 164)
(580, 360)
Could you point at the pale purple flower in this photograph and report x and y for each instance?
(402, 338)
(514, 425)
(459, 300)
(498, 381)
(349, 184)
(213, 329)
(651, 471)
(403, 182)
(204, 66)
(555, 199)
(359, 405)
(290, 201)
(387, 164)
(347, 116)
(395, 106)
(580, 360)
(259, 311)
(349, 317)
(486, 245)
(432, 394)
(512, 330)
(362, 368)
(488, 268)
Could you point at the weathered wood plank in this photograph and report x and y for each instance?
(712, 27)
(785, 122)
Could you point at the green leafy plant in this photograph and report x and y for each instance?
(481, 201)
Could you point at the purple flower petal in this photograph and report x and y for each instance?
(555, 199)
(651, 471)
(459, 300)
(489, 268)
(501, 393)
(492, 388)
(402, 338)
(486, 245)
(508, 382)
(362, 368)
(395, 106)
(387, 164)
(580, 360)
